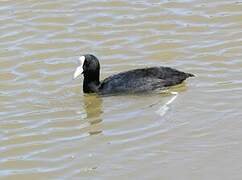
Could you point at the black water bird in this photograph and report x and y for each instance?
(132, 81)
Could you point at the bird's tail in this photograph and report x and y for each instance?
(190, 75)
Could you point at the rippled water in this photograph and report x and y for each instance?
(50, 130)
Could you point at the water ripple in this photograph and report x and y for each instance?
(49, 129)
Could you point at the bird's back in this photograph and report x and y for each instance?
(141, 80)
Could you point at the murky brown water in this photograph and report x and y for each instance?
(50, 130)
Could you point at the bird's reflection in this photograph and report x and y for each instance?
(93, 108)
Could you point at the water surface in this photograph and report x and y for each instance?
(50, 130)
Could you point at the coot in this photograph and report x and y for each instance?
(132, 81)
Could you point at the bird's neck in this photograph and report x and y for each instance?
(91, 83)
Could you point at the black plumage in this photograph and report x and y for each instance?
(133, 81)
